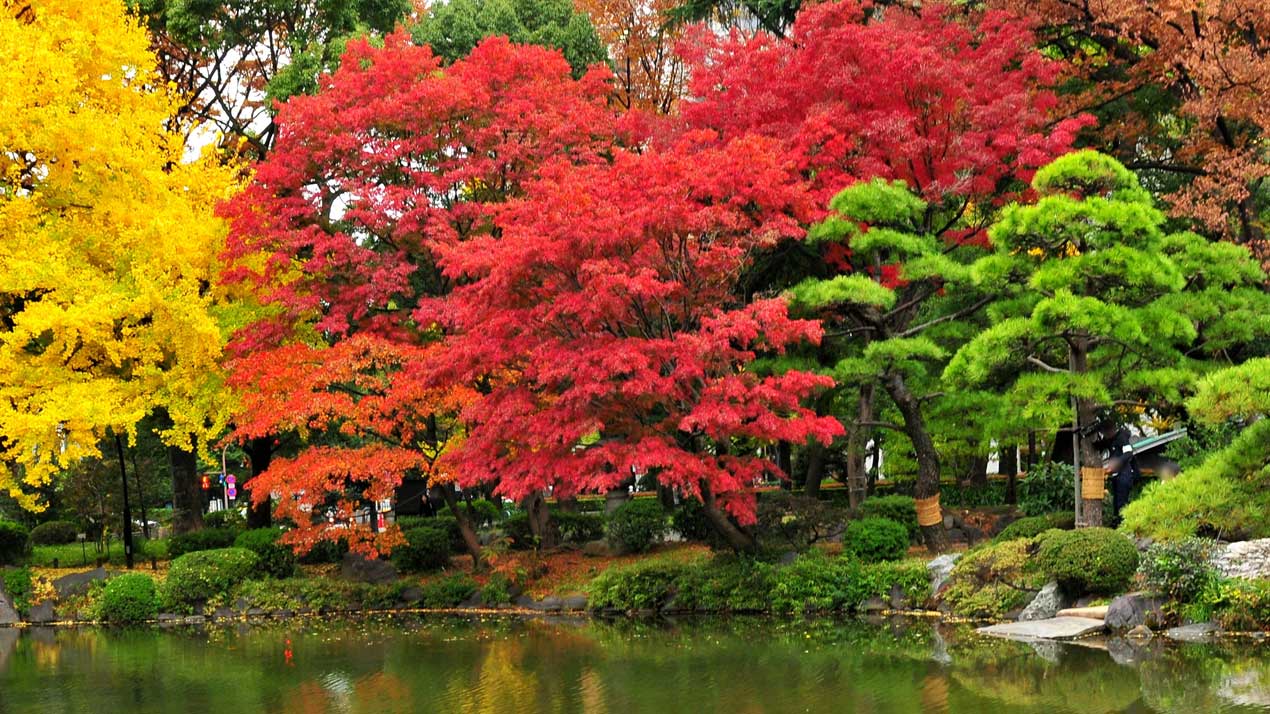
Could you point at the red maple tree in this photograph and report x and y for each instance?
(609, 302)
(955, 103)
(337, 238)
(957, 106)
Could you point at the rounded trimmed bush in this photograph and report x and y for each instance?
(899, 508)
(15, 542)
(1088, 560)
(129, 598)
(426, 548)
(1033, 526)
(195, 578)
(206, 539)
(637, 525)
(276, 559)
(54, 533)
(325, 552)
(874, 540)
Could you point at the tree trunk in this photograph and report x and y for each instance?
(260, 453)
(187, 497)
(815, 468)
(1010, 467)
(785, 462)
(466, 531)
(540, 524)
(857, 477)
(927, 486)
(739, 540)
(979, 471)
(1090, 460)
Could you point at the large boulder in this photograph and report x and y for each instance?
(1046, 604)
(78, 583)
(1133, 609)
(8, 615)
(358, 567)
(42, 613)
(1248, 559)
(940, 568)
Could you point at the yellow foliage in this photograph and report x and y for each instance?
(109, 248)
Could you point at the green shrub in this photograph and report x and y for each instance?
(1047, 488)
(1241, 605)
(1088, 560)
(579, 527)
(206, 539)
(195, 578)
(20, 586)
(726, 583)
(128, 598)
(814, 582)
(993, 579)
(230, 518)
(877, 580)
(901, 509)
(426, 548)
(636, 525)
(54, 533)
(449, 591)
(1033, 526)
(952, 495)
(325, 552)
(480, 511)
(646, 585)
(1179, 570)
(15, 542)
(689, 519)
(788, 521)
(276, 560)
(497, 590)
(875, 539)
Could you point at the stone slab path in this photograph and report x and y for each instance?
(1055, 628)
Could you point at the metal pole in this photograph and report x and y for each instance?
(127, 509)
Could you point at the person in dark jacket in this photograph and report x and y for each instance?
(1117, 447)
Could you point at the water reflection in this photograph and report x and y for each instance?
(738, 666)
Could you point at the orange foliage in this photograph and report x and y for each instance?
(648, 73)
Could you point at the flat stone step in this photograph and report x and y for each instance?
(1093, 613)
(1055, 628)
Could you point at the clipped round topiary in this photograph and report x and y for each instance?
(636, 525)
(129, 598)
(426, 548)
(874, 540)
(1033, 526)
(15, 542)
(896, 507)
(54, 533)
(276, 560)
(1088, 560)
(195, 578)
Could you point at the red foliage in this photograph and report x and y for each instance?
(608, 301)
(337, 237)
(370, 417)
(954, 107)
(391, 157)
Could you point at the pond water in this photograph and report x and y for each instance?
(735, 666)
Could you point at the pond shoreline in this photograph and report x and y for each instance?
(168, 621)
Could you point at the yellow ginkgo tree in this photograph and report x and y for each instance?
(108, 245)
